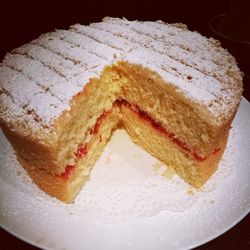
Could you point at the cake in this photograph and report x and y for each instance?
(175, 92)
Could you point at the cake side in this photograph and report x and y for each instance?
(68, 184)
(193, 171)
(187, 122)
(88, 108)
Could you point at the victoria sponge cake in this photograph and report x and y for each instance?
(174, 91)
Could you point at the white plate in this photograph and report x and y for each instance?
(127, 204)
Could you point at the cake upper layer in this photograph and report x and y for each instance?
(39, 79)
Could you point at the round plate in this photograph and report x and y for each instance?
(128, 203)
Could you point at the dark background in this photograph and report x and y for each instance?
(21, 21)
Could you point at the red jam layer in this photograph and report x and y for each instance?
(82, 150)
(80, 153)
(67, 172)
(164, 131)
(99, 122)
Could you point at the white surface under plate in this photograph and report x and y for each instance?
(127, 204)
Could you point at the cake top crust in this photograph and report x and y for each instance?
(38, 79)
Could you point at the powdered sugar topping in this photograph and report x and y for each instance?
(40, 78)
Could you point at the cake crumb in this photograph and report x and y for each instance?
(136, 156)
(200, 189)
(190, 191)
(157, 165)
(169, 172)
(108, 159)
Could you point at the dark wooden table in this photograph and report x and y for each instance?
(22, 21)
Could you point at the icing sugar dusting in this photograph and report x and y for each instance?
(40, 78)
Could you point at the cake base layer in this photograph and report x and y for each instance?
(193, 171)
(65, 187)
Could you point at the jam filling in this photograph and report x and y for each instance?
(80, 153)
(67, 172)
(164, 131)
(82, 149)
(99, 122)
